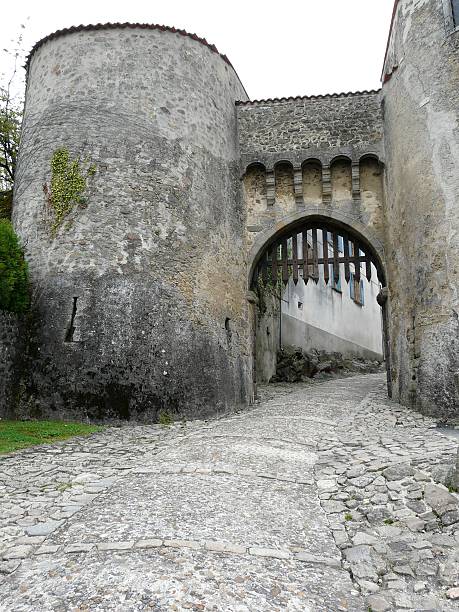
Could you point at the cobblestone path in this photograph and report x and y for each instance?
(321, 497)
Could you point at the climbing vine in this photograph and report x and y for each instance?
(267, 287)
(68, 184)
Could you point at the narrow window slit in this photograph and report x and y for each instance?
(229, 332)
(71, 329)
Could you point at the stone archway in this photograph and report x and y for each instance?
(291, 251)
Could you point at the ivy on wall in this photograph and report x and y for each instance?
(68, 183)
(267, 288)
(14, 292)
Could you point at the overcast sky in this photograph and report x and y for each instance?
(296, 47)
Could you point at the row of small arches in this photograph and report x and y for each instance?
(315, 183)
(318, 161)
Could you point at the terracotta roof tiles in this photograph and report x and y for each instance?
(317, 97)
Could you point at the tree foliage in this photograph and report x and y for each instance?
(11, 104)
(10, 126)
(14, 293)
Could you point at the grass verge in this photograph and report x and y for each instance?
(21, 434)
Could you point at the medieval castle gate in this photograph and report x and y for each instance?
(142, 297)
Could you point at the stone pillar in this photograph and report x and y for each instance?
(270, 187)
(298, 186)
(355, 169)
(326, 184)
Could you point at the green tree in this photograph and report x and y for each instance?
(11, 105)
(14, 293)
(10, 126)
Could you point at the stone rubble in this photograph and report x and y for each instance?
(322, 496)
(297, 365)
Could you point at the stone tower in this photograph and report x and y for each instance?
(420, 98)
(139, 296)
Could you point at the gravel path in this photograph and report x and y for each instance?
(321, 497)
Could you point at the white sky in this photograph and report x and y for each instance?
(296, 47)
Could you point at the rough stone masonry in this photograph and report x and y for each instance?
(329, 498)
(193, 181)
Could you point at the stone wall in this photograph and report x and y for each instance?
(421, 101)
(267, 336)
(310, 124)
(319, 156)
(148, 275)
(313, 156)
(319, 316)
(10, 361)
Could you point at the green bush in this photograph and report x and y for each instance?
(6, 203)
(14, 294)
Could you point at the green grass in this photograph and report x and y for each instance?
(20, 434)
(165, 418)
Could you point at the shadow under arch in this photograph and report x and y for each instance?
(331, 220)
(371, 155)
(255, 165)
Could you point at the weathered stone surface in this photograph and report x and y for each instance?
(8, 567)
(43, 529)
(137, 311)
(439, 499)
(191, 504)
(78, 548)
(150, 543)
(12, 343)
(364, 538)
(420, 101)
(47, 549)
(269, 552)
(17, 552)
(377, 603)
(160, 320)
(358, 554)
(453, 593)
(317, 124)
(398, 472)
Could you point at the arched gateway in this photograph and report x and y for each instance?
(292, 248)
(312, 246)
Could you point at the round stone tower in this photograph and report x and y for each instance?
(139, 288)
(420, 106)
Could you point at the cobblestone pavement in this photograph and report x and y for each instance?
(321, 497)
